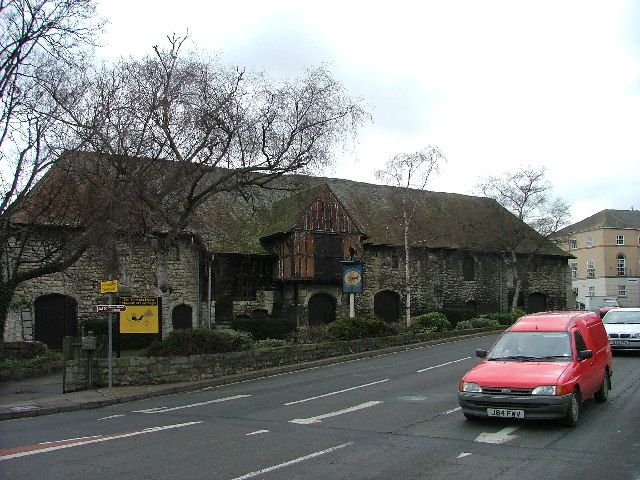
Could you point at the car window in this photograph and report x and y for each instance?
(621, 316)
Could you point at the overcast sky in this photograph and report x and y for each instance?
(495, 84)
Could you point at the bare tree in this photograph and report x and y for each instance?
(163, 134)
(527, 194)
(410, 171)
(35, 37)
(185, 111)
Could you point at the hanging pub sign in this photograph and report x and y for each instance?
(140, 316)
(352, 276)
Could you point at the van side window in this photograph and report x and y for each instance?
(580, 345)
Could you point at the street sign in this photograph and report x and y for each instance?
(109, 286)
(110, 308)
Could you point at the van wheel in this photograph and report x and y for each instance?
(571, 418)
(602, 395)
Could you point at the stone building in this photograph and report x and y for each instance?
(276, 251)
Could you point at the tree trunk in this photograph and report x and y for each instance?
(516, 295)
(517, 273)
(406, 268)
(6, 295)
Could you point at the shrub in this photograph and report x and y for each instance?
(266, 327)
(430, 322)
(516, 313)
(200, 341)
(359, 327)
(270, 343)
(478, 323)
(121, 341)
(454, 315)
(503, 318)
(464, 325)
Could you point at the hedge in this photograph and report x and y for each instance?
(200, 341)
(266, 327)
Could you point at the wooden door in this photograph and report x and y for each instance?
(55, 318)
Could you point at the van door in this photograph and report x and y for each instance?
(586, 372)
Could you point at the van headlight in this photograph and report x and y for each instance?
(470, 387)
(544, 390)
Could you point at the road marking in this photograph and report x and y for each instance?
(60, 444)
(337, 392)
(69, 440)
(451, 411)
(111, 416)
(463, 454)
(199, 404)
(443, 364)
(258, 432)
(292, 462)
(503, 436)
(310, 420)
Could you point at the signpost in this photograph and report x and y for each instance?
(352, 282)
(110, 286)
(110, 308)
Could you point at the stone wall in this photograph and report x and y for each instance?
(437, 279)
(156, 370)
(141, 272)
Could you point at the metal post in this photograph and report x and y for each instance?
(352, 305)
(110, 339)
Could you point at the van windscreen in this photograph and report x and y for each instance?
(532, 346)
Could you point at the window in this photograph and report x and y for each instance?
(589, 241)
(573, 244)
(639, 241)
(621, 263)
(580, 345)
(468, 268)
(592, 292)
(395, 261)
(619, 239)
(575, 291)
(622, 290)
(327, 255)
(591, 268)
(574, 269)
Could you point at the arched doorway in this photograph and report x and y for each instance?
(181, 317)
(537, 303)
(386, 305)
(322, 309)
(55, 317)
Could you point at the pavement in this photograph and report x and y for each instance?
(44, 395)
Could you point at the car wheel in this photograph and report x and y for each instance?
(602, 395)
(573, 413)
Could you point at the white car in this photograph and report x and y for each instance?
(623, 327)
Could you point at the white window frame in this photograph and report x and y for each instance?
(622, 290)
(591, 268)
(592, 291)
(573, 244)
(619, 239)
(590, 241)
(574, 269)
(621, 265)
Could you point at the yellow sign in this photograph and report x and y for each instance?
(109, 286)
(141, 315)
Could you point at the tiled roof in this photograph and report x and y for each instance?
(618, 219)
(230, 222)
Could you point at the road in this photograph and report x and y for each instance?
(392, 416)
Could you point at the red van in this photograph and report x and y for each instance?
(544, 366)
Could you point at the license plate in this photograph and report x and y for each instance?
(501, 412)
(619, 342)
